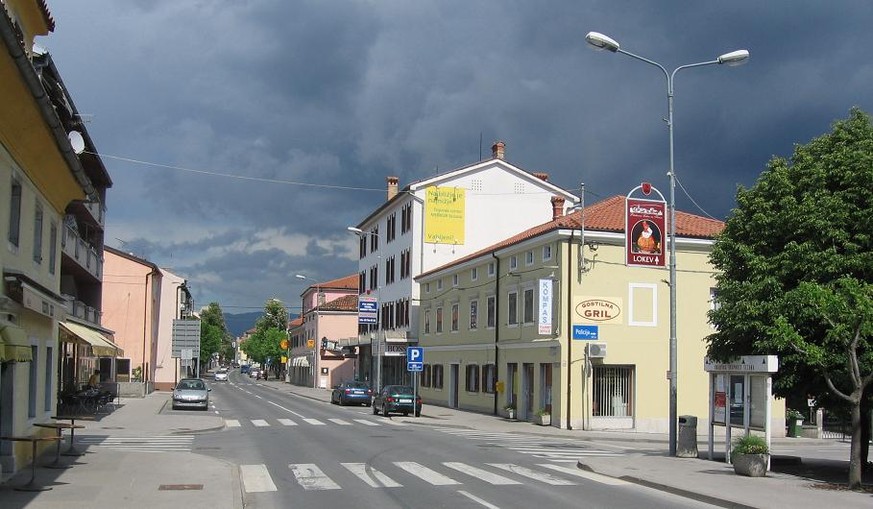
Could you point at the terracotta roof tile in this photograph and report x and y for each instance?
(344, 303)
(346, 282)
(606, 216)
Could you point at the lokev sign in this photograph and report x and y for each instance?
(645, 229)
(600, 310)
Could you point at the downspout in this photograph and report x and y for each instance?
(28, 74)
(496, 326)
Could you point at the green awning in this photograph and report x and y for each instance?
(13, 344)
(100, 345)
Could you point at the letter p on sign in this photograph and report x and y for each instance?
(414, 354)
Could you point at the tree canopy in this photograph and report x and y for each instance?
(270, 330)
(795, 265)
(214, 336)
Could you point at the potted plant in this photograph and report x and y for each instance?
(543, 417)
(510, 409)
(795, 421)
(750, 456)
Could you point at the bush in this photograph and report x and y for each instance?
(791, 414)
(542, 412)
(750, 444)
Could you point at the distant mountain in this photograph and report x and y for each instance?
(239, 323)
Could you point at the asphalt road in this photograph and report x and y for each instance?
(296, 452)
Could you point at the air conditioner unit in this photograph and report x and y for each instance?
(596, 350)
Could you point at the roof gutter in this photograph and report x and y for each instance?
(10, 39)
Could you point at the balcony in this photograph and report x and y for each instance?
(84, 254)
(83, 311)
(98, 212)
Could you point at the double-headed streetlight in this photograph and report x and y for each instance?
(602, 42)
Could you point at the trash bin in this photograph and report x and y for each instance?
(794, 427)
(686, 443)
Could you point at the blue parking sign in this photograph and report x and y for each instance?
(414, 354)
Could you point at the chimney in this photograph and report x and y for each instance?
(498, 150)
(393, 183)
(557, 207)
(542, 176)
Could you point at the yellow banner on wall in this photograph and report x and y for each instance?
(445, 215)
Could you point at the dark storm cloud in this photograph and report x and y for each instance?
(347, 92)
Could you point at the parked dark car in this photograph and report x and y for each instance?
(352, 392)
(397, 399)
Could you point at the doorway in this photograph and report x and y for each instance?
(454, 370)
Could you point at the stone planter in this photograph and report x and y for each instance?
(543, 420)
(751, 465)
(510, 413)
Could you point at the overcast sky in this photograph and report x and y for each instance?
(183, 97)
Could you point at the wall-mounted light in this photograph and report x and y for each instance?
(593, 245)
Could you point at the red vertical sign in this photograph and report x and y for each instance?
(645, 232)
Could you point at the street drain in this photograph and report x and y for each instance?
(179, 487)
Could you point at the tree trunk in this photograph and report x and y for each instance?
(855, 451)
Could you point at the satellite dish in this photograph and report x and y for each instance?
(77, 141)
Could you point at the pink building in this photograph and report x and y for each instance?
(140, 302)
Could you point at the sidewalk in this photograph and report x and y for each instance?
(107, 479)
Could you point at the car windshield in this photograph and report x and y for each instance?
(192, 385)
(357, 385)
(401, 389)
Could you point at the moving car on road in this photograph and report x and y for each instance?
(191, 393)
(220, 375)
(397, 399)
(352, 392)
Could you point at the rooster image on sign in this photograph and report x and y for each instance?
(648, 238)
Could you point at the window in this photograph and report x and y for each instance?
(491, 268)
(528, 258)
(437, 376)
(404, 263)
(391, 227)
(389, 270)
(488, 371)
(513, 262)
(529, 305)
(362, 246)
(474, 273)
(406, 218)
(547, 252)
(491, 304)
(427, 321)
(37, 234)
(512, 309)
(455, 317)
(474, 314)
(362, 282)
(439, 320)
(454, 280)
(15, 213)
(374, 239)
(472, 378)
(426, 376)
(439, 284)
(53, 247)
(427, 288)
(613, 391)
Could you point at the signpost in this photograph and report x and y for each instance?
(415, 365)
(186, 338)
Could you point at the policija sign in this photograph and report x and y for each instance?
(645, 219)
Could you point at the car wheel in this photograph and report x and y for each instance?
(175, 407)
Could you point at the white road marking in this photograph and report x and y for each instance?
(591, 476)
(425, 474)
(478, 473)
(532, 474)
(231, 423)
(365, 422)
(285, 409)
(259, 397)
(287, 422)
(312, 478)
(314, 422)
(371, 476)
(260, 423)
(256, 478)
(340, 422)
(478, 500)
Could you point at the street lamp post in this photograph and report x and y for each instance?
(379, 343)
(315, 356)
(602, 42)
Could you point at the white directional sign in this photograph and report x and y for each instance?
(414, 358)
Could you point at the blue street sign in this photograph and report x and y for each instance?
(585, 332)
(415, 354)
(368, 308)
(414, 366)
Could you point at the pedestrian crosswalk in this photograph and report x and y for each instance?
(166, 443)
(553, 449)
(266, 423)
(312, 477)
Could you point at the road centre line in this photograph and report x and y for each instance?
(285, 409)
(477, 500)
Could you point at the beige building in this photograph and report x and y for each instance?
(497, 326)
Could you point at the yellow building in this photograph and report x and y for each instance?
(498, 326)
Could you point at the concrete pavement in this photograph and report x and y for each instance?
(107, 478)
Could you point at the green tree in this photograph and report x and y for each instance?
(270, 330)
(795, 265)
(213, 331)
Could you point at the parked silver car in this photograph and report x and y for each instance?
(191, 393)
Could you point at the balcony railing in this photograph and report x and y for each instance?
(83, 253)
(83, 311)
(98, 211)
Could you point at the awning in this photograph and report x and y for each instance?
(13, 344)
(101, 346)
(300, 362)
